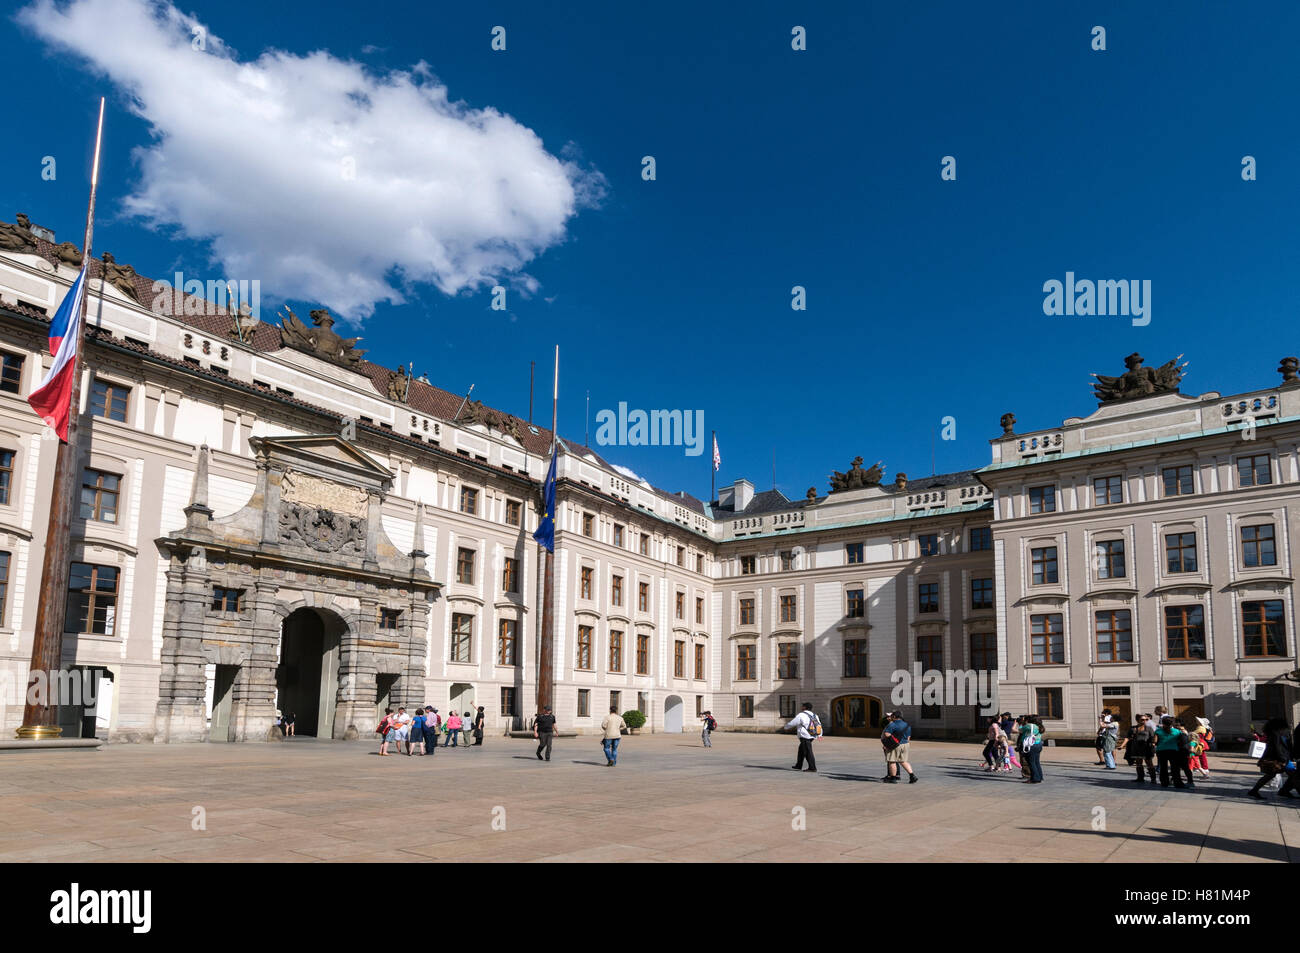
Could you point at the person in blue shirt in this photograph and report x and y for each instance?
(895, 740)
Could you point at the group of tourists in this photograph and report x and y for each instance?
(420, 732)
(1016, 744)
(894, 739)
(1157, 740)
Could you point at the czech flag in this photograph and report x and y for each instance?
(545, 532)
(52, 400)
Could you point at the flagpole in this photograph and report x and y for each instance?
(713, 471)
(41, 710)
(546, 647)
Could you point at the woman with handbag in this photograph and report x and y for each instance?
(1276, 759)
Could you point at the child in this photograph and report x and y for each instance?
(1202, 739)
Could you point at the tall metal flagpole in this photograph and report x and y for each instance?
(41, 711)
(546, 649)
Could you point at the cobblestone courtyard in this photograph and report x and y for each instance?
(669, 799)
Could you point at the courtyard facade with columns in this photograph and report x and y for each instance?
(269, 522)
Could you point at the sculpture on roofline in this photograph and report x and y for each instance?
(856, 478)
(1139, 381)
(121, 277)
(320, 340)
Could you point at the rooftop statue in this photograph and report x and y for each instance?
(476, 413)
(18, 237)
(121, 277)
(857, 478)
(1139, 381)
(320, 340)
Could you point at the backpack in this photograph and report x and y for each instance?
(384, 726)
(814, 726)
(711, 724)
(1209, 739)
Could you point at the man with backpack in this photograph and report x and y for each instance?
(809, 728)
(710, 725)
(895, 739)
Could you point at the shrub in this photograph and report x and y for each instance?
(634, 718)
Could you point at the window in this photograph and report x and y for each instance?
(855, 658)
(615, 650)
(642, 700)
(4, 585)
(388, 618)
(748, 565)
(787, 660)
(699, 660)
(584, 590)
(1257, 546)
(746, 663)
(679, 659)
(1262, 628)
(1269, 702)
(929, 652)
(644, 545)
(1043, 565)
(1046, 639)
(1178, 480)
(929, 543)
(92, 599)
(507, 641)
(984, 651)
(746, 611)
(227, 600)
(699, 610)
(1049, 703)
(1110, 559)
(1042, 499)
(6, 475)
(680, 605)
(510, 575)
(465, 566)
(616, 591)
(584, 649)
(855, 605)
(508, 703)
(681, 555)
(468, 500)
(643, 654)
(1185, 633)
(584, 703)
(927, 597)
(699, 563)
(108, 400)
(788, 609)
(462, 636)
(643, 596)
(1114, 635)
(787, 560)
(787, 705)
(1180, 552)
(514, 512)
(99, 495)
(853, 553)
(1254, 470)
(981, 593)
(588, 525)
(616, 701)
(11, 371)
(981, 538)
(1108, 490)
(746, 706)
(618, 535)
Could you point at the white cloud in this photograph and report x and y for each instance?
(253, 156)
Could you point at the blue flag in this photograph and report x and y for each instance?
(545, 532)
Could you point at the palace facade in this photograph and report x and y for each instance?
(270, 522)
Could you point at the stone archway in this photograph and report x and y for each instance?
(307, 676)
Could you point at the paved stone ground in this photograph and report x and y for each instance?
(669, 799)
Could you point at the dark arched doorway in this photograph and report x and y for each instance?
(307, 678)
(857, 715)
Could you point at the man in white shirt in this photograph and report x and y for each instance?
(403, 735)
(804, 723)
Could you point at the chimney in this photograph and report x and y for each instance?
(743, 494)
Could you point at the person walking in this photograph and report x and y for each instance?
(453, 729)
(385, 727)
(1278, 758)
(706, 733)
(417, 733)
(544, 732)
(895, 739)
(807, 726)
(432, 725)
(612, 729)
(479, 719)
(1139, 749)
(1030, 743)
(1108, 738)
(1104, 723)
(1168, 755)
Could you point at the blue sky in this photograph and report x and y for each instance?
(778, 168)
